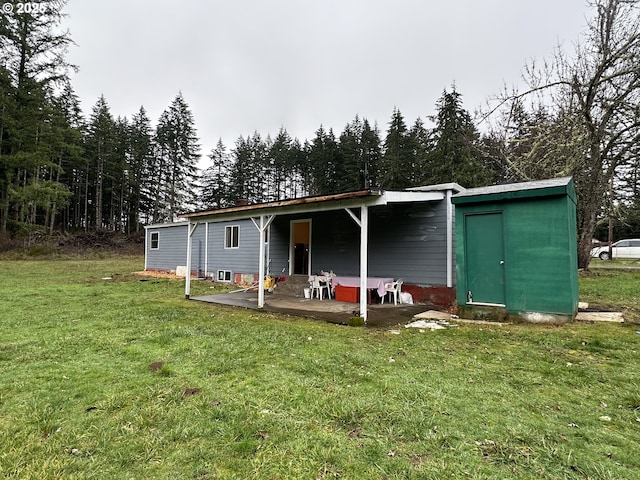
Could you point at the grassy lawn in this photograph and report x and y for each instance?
(244, 394)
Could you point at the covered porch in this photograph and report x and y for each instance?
(371, 233)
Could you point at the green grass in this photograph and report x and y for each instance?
(608, 286)
(245, 394)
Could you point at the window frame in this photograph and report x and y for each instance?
(155, 233)
(231, 241)
(225, 276)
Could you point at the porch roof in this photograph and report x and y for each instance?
(369, 197)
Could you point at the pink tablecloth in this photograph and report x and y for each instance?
(373, 283)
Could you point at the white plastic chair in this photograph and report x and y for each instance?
(393, 287)
(318, 285)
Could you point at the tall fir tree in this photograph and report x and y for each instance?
(32, 48)
(71, 161)
(421, 143)
(359, 156)
(397, 160)
(323, 158)
(348, 169)
(216, 180)
(100, 148)
(177, 143)
(249, 171)
(371, 153)
(282, 156)
(140, 187)
(456, 154)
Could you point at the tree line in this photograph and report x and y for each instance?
(577, 116)
(261, 169)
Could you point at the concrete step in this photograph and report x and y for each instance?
(294, 285)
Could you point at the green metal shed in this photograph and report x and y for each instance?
(516, 251)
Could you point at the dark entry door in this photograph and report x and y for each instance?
(300, 246)
(484, 252)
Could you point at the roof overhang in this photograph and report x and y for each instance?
(515, 191)
(369, 198)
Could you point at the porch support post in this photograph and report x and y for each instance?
(191, 228)
(261, 225)
(363, 223)
(261, 264)
(450, 234)
(364, 259)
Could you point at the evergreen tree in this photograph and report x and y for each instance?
(140, 160)
(299, 176)
(348, 169)
(249, 173)
(178, 147)
(323, 160)
(397, 161)
(282, 154)
(371, 154)
(216, 180)
(421, 144)
(72, 165)
(100, 148)
(359, 156)
(32, 49)
(118, 177)
(456, 155)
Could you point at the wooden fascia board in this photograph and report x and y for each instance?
(291, 209)
(322, 206)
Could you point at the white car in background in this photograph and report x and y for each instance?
(629, 248)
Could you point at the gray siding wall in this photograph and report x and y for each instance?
(406, 241)
(410, 242)
(172, 248)
(279, 245)
(243, 259)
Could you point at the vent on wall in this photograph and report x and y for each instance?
(224, 275)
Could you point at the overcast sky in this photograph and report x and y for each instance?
(258, 65)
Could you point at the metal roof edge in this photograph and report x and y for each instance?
(536, 188)
(455, 187)
(165, 225)
(287, 203)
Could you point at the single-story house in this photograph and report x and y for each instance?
(511, 249)
(406, 234)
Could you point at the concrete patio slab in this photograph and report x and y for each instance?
(328, 309)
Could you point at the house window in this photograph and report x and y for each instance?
(224, 275)
(155, 240)
(231, 236)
